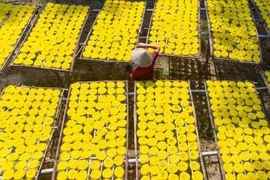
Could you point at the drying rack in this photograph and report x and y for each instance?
(199, 35)
(55, 69)
(260, 16)
(32, 18)
(82, 49)
(215, 129)
(128, 160)
(265, 80)
(211, 43)
(64, 120)
(56, 118)
(191, 103)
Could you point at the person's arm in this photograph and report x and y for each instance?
(131, 76)
(143, 45)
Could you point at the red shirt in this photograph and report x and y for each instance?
(140, 74)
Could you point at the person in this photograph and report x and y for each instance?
(143, 61)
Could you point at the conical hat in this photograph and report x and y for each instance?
(141, 57)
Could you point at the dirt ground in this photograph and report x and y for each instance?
(171, 68)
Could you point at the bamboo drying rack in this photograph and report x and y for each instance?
(82, 49)
(265, 80)
(55, 69)
(215, 130)
(260, 16)
(136, 139)
(199, 35)
(64, 120)
(31, 19)
(56, 117)
(211, 43)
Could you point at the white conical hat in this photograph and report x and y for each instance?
(141, 57)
